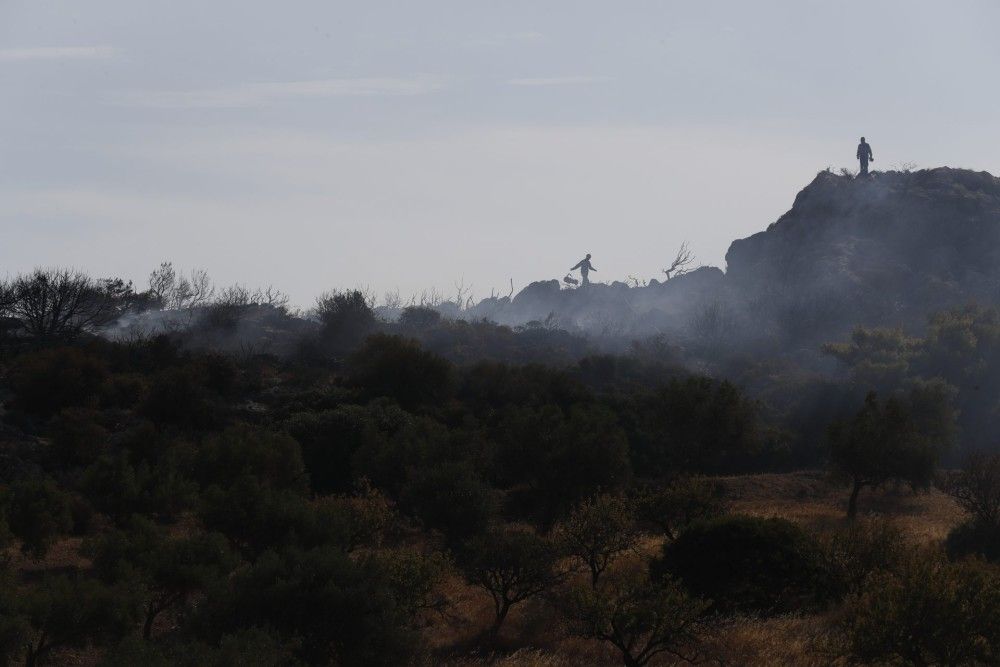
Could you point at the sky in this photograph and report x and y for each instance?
(413, 146)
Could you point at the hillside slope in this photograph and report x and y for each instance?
(886, 251)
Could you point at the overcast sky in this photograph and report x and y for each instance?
(412, 144)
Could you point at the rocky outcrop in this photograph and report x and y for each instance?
(883, 250)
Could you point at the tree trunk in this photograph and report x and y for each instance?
(502, 610)
(147, 626)
(852, 504)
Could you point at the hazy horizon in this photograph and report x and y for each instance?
(404, 146)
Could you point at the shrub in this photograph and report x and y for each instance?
(274, 459)
(855, 553)
(697, 425)
(345, 319)
(47, 381)
(746, 564)
(398, 368)
(418, 318)
(38, 511)
(179, 396)
(341, 610)
(69, 612)
(78, 437)
(554, 460)
(929, 613)
(329, 440)
(116, 487)
(167, 571)
(974, 538)
(451, 498)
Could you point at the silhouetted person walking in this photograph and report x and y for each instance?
(865, 155)
(585, 268)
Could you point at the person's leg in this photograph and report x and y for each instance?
(864, 167)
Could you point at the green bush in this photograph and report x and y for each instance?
(746, 564)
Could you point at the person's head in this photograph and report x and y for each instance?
(588, 255)
(862, 140)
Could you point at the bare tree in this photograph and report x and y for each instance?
(174, 291)
(62, 303)
(681, 262)
(463, 294)
(193, 292)
(392, 300)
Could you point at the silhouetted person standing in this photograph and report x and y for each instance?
(585, 268)
(865, 155)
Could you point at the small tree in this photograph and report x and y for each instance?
(639, 617)
(399, 368)
(679, 503)
(168, 570)
(598, 531)
(66, 612)
(882, 443)
(62, 304)
(346, 318)
(452, 498)
(510, 563)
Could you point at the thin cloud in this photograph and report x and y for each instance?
(557, 81)
(58, 53)
(260, 94)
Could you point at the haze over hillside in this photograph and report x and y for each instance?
(883, 251)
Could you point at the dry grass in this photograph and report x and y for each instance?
(812, 501)
(533, 635)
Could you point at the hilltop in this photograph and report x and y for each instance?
(885, 250)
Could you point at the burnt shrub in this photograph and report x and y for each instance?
(746, 564)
